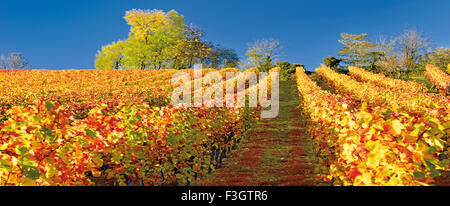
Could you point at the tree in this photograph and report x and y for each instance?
(138, 55)
(356, 49)
(262, 52)
(332, 63)
(440, 57)
(111, 56)
(151, 44)
(287, 70)
(16, 61)
(412, 47)
(2, 62)
(154, 35)
(191, 50)
(387, 63)
(373, 58)
(223, 58)
(157, 40)
(229, 58)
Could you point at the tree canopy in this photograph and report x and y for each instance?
(356, 49)
(13, 61)
(159, 39)
(332, 63)
(408, 52)
(262, 53)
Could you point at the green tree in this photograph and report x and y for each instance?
(333, 63)
(223, 58)
(138, 55)
(155, 35)
(440, 57)
(356, 49)
(110, 57)
(267, 64)
(373, 58)
(151, 44)
(287, 70)
(160, 40)
(191, 50)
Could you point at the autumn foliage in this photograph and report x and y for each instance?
(127, 135)
(383, 81)
(366, 135)
(439, 78)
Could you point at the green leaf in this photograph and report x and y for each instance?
(51, 171)
(83, 142)
(444, 163)
(36, 118)
(31, 172)
(431, 164)
(49, 105)
(48, 133)
(5, 164)
(418, 175)
(19, 124)
(431, 150)
(21, 150)
(116, 158)
(91, 133)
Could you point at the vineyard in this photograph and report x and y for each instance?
(118, 127)
(109, 128)
(375, 130)
(439, 78)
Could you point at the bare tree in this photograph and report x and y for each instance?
(412, 46)
(2, 62)
(385, 46)
(16, 61)
(389, 63)
(263, 52)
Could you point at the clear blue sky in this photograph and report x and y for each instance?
(67, 34)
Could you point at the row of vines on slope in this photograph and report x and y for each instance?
(383, 81)
(81, 90)
(439, 78)
(125, 144)
(418, 105)
(359, 144)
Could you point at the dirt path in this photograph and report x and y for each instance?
(277, 152)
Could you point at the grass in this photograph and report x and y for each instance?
(277, 151)
(420, 78)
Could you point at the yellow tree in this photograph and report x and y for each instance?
(153, 38)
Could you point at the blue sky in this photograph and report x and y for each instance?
(67, 34)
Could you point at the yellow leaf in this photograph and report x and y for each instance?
(397, 126)
(366, 179)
